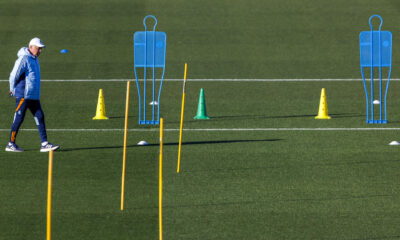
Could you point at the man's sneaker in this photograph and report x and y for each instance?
(12, 147)
(46, 147)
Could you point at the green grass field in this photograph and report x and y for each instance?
(285, 180)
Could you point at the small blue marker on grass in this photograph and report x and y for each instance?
(64, 51)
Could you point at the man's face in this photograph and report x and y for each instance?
(35, 50)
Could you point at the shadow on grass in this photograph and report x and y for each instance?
(336, 115)
(170, 144)
(346, 115)
(119, 117)
(255, 117)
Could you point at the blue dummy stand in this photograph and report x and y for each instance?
(376, 52)
(149, 52)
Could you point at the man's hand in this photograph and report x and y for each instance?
(10, 94)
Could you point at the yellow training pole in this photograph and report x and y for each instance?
(181, 127)
(49, 183)
(125, 141)
(160, 178)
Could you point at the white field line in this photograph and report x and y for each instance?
(216, 80)
(210, 129)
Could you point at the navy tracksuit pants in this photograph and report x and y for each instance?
(34, 106)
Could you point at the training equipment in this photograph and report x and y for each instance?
(394, 143)
(201, 108)
(323, 107)
(160, 187)
(47, 147)
(142, 143)
(376, 52)
(64, 51)
(125, 143)
(181, 126)
(49, 184)
(149, 54)
(12, 147)
(101, 109)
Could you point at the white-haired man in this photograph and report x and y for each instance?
(25, 87)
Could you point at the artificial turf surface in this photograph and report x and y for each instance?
(233, 184)
(219, 39)
(242, 185)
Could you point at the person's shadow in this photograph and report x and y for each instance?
(170, 144)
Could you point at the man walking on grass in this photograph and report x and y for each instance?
(25, 87)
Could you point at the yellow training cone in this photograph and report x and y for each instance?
(323, 107)
(101, 109)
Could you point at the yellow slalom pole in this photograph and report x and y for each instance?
(49, 184)
(125, 142)
(160, 178)
(181, 127)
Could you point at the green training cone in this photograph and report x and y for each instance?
(201, 109)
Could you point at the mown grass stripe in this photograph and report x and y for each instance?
(210, 129)
(216, 80)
